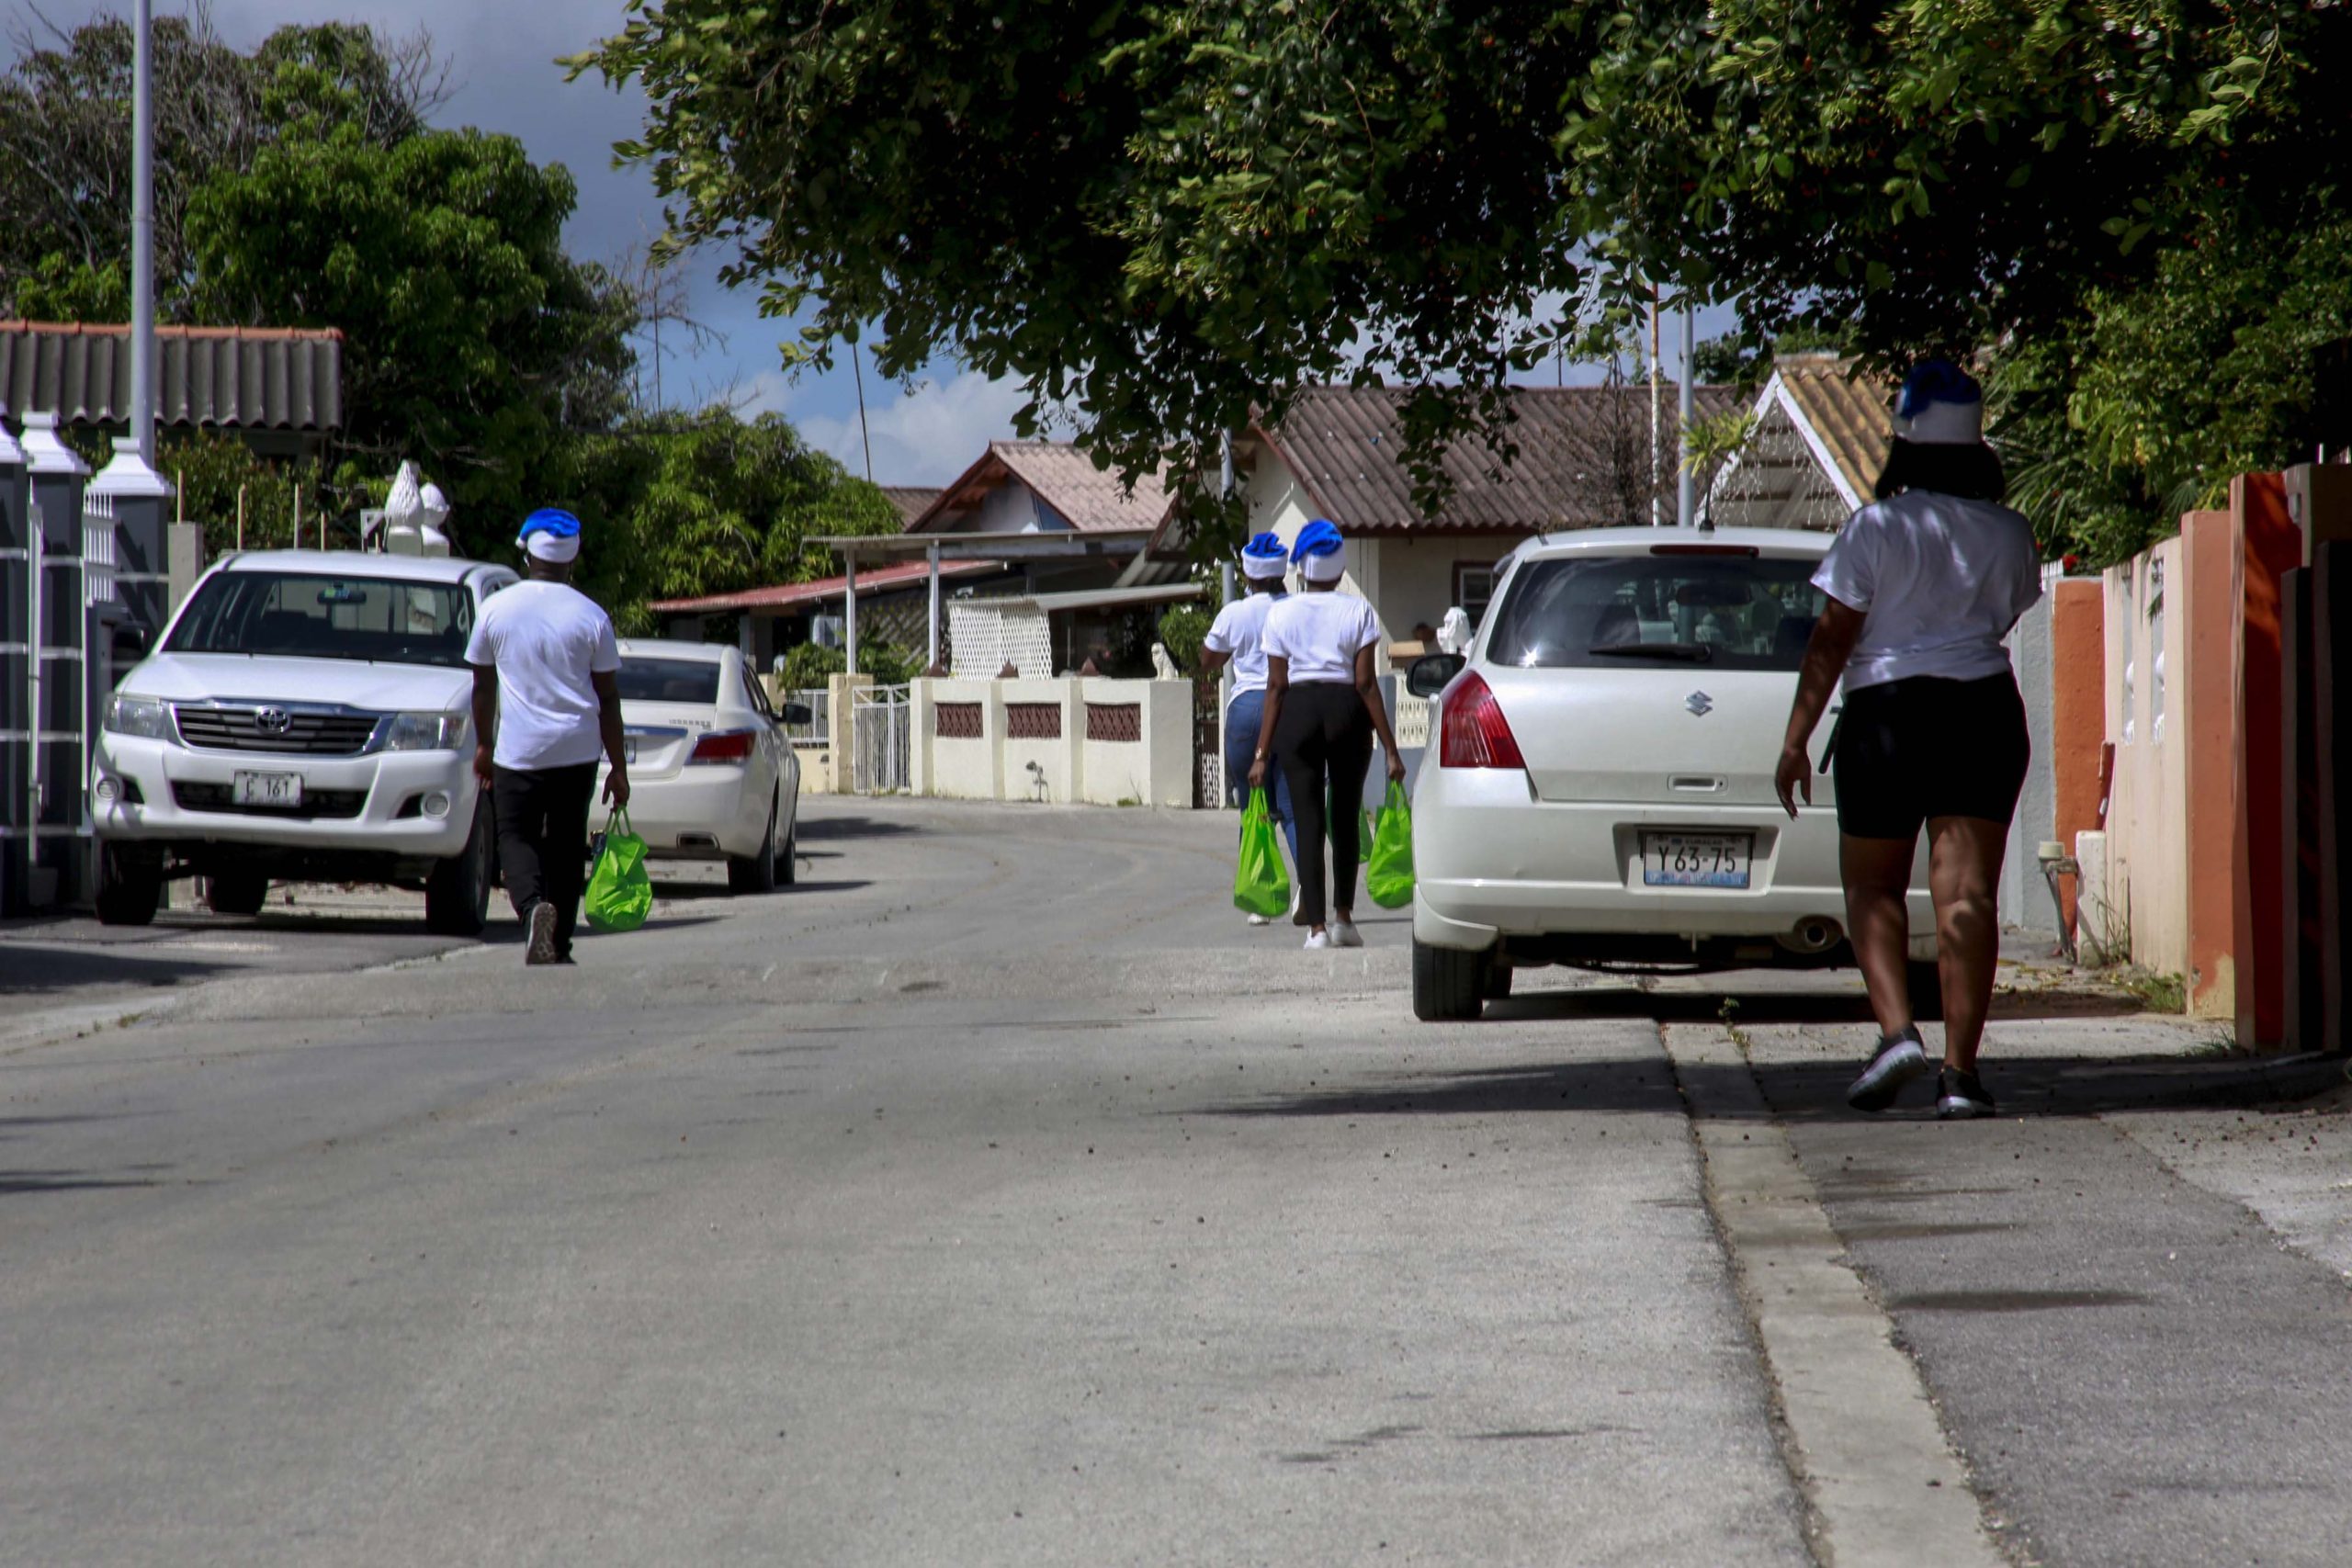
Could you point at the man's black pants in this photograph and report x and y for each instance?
(543, 840)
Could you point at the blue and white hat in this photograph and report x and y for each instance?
(1941, 406)
(1264, 557)
(550, 534)
(1321, 554)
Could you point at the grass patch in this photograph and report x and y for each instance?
(2157, 992)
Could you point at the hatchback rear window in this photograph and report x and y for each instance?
(1602, 612)
(669, 681)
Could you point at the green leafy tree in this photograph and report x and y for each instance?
(1182, 629)
(1174, 212)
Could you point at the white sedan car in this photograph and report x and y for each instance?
(711, 774)
(1599, 786)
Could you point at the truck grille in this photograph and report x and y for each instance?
(316, 802)
(301, 732)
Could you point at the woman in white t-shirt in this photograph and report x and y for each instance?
(1239, 637)
(1323, 708)
(1923, 585)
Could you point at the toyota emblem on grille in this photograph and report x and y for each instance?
(275, 721)
(1700, 704)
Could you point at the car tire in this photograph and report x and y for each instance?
(755, 872)
(235, 892)
(1449, 986)
(130, 886)
(1927, 990)
(457, 891)
(1497, 981)
(787, 865)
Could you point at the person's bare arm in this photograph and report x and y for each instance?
(485, 719)
(1277, 682)
(608, 722)
(1825, 653)
(1368, 688)
(1212, 662)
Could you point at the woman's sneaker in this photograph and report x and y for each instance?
(1898, 1060)
(1344, 933)
(1962, 1096)
(1317, 941)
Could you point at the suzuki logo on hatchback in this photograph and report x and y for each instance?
(273, 721)
(1700, 704)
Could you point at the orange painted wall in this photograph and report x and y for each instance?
(2207, 685)
(2077, 708)
(2268, 542)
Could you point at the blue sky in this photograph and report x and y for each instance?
(502, 56)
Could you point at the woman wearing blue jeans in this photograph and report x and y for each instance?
(1236, 637)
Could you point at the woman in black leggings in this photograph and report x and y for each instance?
(1323, 709)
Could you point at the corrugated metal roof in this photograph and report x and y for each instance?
(226, 378)
(1063, 476)
(794, 595)
(1343, 443)
(1850, 416)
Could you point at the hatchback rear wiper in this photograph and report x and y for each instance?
(1689, 653)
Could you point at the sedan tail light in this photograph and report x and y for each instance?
(1475, 734)
(722, 746)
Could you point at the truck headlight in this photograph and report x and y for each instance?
(141, 717)
(425, 732)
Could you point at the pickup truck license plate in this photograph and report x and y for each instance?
(1697, 860)
(265, 789)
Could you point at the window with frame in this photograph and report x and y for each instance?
(1473, 588)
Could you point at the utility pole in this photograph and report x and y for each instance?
(1685, 483)
(142, 233)
(1654, 487)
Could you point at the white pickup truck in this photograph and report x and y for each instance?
(305, 717)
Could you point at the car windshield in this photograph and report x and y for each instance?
(311, 616)
(669, 679)
(1735, 610)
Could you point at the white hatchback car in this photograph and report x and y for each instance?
(1599, 786)
(711, 774)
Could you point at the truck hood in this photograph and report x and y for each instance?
(380, 688)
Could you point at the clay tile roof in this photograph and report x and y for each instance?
(1343, 443)
(1061, 476)
(229, 377)
(1850, 415)
(911, 501)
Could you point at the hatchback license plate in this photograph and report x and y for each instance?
(1697, 860)
(266, 789)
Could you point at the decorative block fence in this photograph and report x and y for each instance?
(1062, 742)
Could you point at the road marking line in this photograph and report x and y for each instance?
(1872, 1453)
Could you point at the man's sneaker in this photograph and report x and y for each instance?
(1258, 920)
(1317, 941)
(1344, 933)
(1960, 1096)
(542, 948)
(1898, 1060)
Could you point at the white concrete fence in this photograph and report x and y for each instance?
(1060, 741)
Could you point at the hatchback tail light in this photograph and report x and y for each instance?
(722, 746)
(1476, 735)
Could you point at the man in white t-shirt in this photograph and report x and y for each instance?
(545, 660)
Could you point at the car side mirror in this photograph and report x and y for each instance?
(1432, 671)
(799, 713)
(130, 645)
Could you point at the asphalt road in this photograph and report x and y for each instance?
(997, 1196)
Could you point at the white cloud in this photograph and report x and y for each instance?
(926, 437)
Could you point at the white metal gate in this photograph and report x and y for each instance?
(881, 739)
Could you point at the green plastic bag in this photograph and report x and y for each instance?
(1389, 879)
(620, 894)
(1260, 883)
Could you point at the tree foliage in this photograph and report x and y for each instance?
(1172, 212)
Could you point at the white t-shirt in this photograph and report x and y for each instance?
(545, 639)
(1320, 634)
(1940, 581)
(1240, 631)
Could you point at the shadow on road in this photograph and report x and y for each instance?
(718, 892)
(30, 968)
(823, 829)
(1732, 1005)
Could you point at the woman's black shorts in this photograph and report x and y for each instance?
(1908, 750)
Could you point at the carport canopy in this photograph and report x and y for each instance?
(937, 548)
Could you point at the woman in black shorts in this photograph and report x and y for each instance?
(1923, 584)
